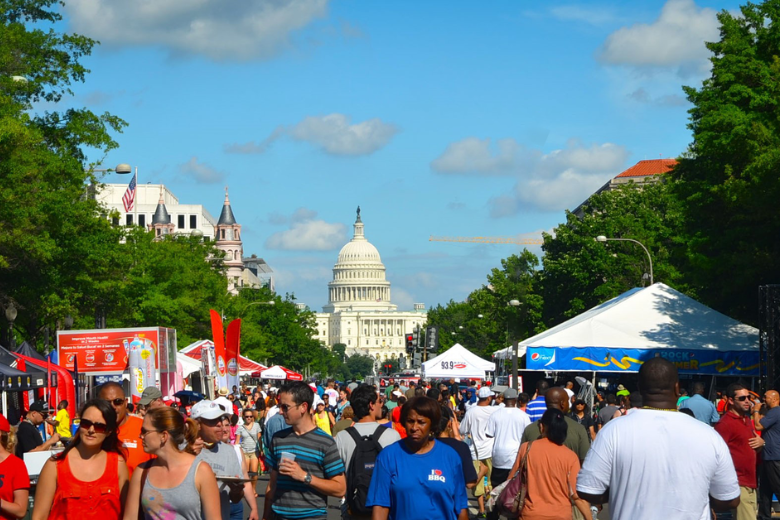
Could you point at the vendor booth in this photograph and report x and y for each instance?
(457, 362)
(147, 354)
(618, 335)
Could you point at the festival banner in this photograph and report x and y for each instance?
(218, 331)
(601, 359)
(233, 348)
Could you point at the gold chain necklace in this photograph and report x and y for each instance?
(660, 409)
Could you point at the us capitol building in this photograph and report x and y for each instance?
(359, 312)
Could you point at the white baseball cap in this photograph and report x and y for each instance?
(485, 392)
(225, 403)
(207, 410)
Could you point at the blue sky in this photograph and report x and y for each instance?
(437, 118)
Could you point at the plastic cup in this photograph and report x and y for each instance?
(286, 455)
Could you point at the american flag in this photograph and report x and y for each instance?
(129, 197)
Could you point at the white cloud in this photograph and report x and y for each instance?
(308, 234)
(200, 172)
(477, 156)
(561, 179)
(221, 31)
(402, 298)
(591, 15)
(334, 134)
(641, 95)
(676, 39)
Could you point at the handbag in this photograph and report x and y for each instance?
(512, 498)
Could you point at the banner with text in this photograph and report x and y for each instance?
(218, 332)
(601, 359)
(233, 348)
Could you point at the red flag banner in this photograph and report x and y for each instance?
(233, 348)
(218, 331)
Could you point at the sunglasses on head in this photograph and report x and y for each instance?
(99, 427)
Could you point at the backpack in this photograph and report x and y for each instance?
(361, 468)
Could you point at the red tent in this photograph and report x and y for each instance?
(245, 365)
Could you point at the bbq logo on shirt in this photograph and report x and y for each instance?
(436, 475)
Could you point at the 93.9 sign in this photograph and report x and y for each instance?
(452, 365)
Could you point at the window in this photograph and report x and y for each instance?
(223, 234)
(142, 220)
(349, 331)
(376, 342)
(193, 221)
(128, 220)
(180, 222)
(366, 342)
(349, 342)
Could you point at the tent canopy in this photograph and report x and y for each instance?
(29, 351)
(509, 352)
(245, 365)
(457, 362)
(618, 335)
(188, 364)
(279, 372)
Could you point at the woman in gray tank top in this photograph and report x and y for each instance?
(172, 486)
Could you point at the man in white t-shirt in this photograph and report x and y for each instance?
(656, 462)
(474, 425)
(506, 427)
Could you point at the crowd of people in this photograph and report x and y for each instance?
(408, 452)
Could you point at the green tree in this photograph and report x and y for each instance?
(728, 179)
(580, 273)
(358, 366)
(49, 229)
(486, 322)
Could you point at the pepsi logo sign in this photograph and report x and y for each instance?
(535, 356)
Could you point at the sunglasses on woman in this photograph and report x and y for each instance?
(99, 427)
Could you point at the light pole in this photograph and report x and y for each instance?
(602, 238)
(515, 385)
(271, 302)
(10, 315)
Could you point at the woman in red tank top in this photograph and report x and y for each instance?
(89, 479)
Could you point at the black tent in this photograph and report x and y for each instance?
(6, 358)
(17, 381)
(30, 351)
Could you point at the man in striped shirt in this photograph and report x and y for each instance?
(538, 406)
(305, 463)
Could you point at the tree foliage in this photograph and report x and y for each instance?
(729, 180)
(580, 273)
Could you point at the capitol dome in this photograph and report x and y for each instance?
(359, 276)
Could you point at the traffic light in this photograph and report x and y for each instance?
(432, 338)
(416, 337)
(409, 342)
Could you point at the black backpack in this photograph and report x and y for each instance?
(361, 468)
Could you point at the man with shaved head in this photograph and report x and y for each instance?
(656, 462)
(129, 427)
(576, 435)
(769, 470)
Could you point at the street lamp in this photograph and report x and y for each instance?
(602, 238)
(10, 315)
(271, 302)
(515, 385)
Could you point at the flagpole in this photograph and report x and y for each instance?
(138, 192)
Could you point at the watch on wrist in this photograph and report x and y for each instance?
(307, 478)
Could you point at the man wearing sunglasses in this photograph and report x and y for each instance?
(736, 428)
(129, 426)
(28, 437)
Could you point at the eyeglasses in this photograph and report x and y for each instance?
(119, 401)
(99, 427)
(286, 407)
(145, 432)
(742, 398)
(248, 417)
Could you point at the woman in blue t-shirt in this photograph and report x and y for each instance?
(418, 478)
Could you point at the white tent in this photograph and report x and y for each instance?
(188, 364)
(457, 362)
(618, 335)
(509, 352)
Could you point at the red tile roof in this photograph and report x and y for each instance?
(651, 167)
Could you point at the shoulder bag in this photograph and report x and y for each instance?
(512, 498)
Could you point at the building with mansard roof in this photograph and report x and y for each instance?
(360, 313)
(168, 217)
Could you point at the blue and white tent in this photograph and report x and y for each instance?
(618, 335)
